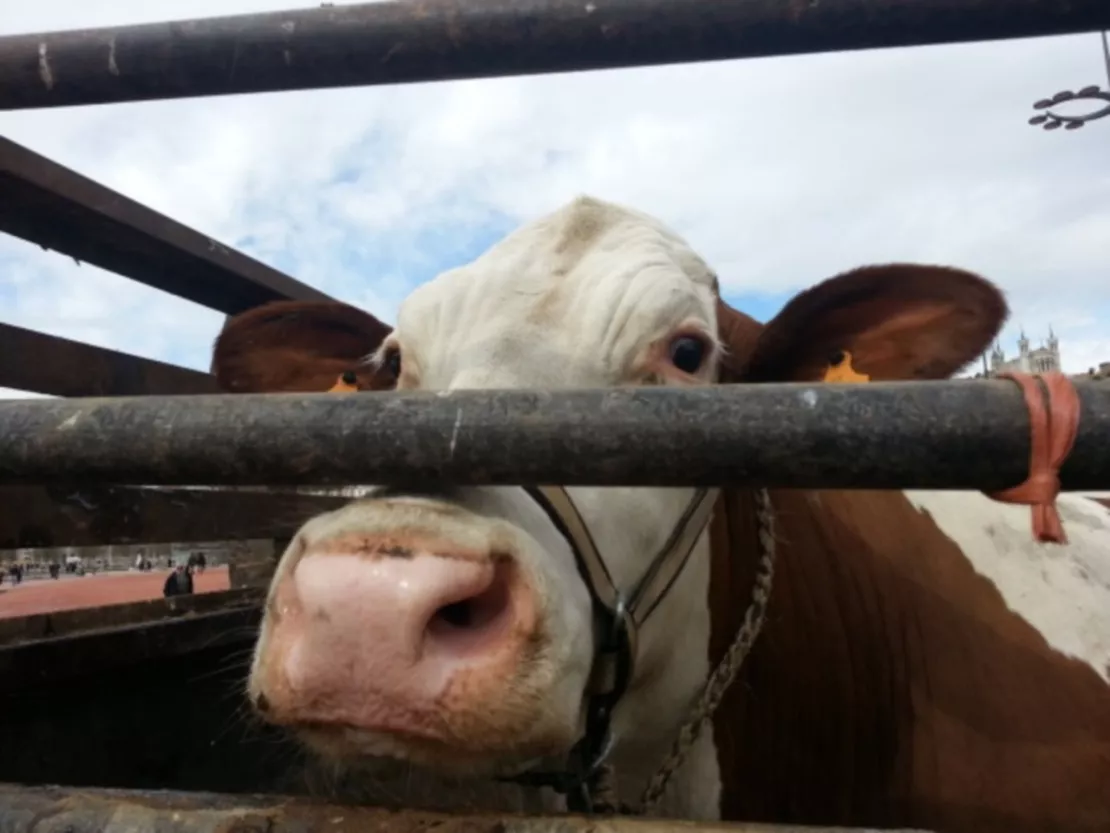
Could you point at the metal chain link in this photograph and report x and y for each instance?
(725, 673)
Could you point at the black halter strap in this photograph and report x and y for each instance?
(620, 615)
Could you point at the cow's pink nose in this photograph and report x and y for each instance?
(383, 641)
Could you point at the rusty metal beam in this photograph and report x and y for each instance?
(395, 42)
(89, 514)
(41, 363)
(942, 434)
(51, 647)
(54, 809)
(57, 208)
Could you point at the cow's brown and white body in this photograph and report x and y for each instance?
(923, 662)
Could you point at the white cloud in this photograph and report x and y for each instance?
(781, 171)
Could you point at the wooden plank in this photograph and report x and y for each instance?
(51, 647)
(255, 568)
(57, 208)
(49, 809)
(90, 515)
(65, 624)
(41, 363)
(162, 723)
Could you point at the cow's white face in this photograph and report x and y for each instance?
(453, 629)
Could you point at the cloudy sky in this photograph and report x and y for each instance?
(780, 171)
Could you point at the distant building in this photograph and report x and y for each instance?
(1042, 359)
(1100, 372)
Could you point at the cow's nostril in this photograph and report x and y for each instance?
(479, 614)
(459, 614)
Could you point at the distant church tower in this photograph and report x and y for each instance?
(1043, 359)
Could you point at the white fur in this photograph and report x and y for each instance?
(577, 299)
(1062, 591)
(573, 300)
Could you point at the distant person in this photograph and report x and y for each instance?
(178, 583)
(172, 586)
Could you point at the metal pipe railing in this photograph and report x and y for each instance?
(951, 434)
(396, 42)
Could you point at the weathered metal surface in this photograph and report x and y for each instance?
(69, 515)
(953, 434)
(69, 368)
(393, 42)
(59, 209)
(58, 810)
(65, 645)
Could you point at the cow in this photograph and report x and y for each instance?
(923, 661)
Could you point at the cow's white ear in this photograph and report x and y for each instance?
(897, 321)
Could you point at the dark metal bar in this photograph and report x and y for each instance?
(56, 809)
(42, 363)
(46, 648)
(952, 434)
(57, 208)
(89, 514)
(395, 42)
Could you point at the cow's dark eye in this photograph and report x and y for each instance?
(392, 362)
(349, 378)
(688, 353)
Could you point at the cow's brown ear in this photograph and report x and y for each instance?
(897, 321)
(302, 346)
(738, 334)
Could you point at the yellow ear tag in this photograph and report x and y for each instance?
(840, 369)
(345, 384)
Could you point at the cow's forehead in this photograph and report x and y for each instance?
(592, 276)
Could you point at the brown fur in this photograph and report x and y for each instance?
(298, 346)
(899, 321)
(891, 685)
